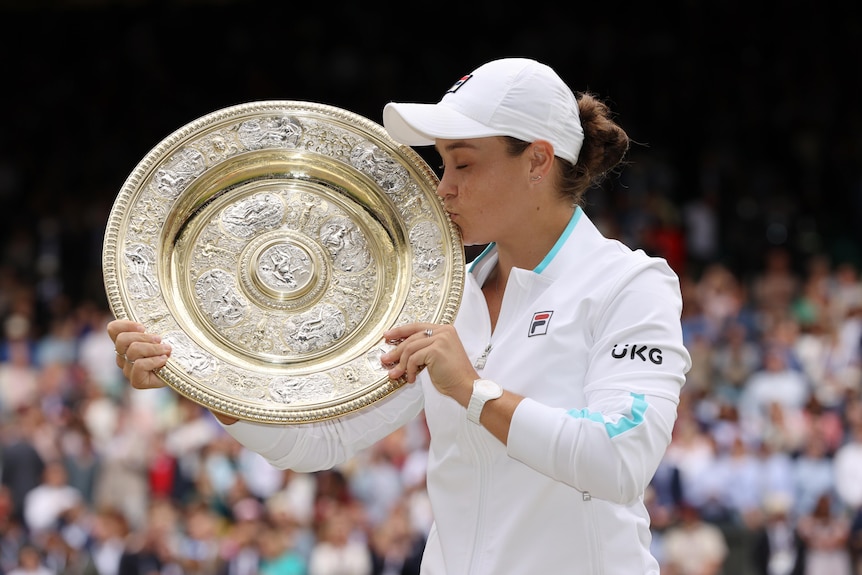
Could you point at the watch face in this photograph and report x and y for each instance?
(486, 387)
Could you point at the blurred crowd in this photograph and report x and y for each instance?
(763, 474)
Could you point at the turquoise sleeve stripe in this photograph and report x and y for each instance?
(639, 406)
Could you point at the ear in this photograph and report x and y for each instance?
(541, 159)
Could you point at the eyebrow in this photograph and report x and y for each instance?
(456, 145)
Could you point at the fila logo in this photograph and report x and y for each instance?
(539, 325)
(653, 354)
(458, 84)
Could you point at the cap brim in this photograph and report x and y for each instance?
(422, 124)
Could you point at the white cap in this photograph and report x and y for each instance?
(515, 97)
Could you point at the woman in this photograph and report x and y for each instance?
(551, 399)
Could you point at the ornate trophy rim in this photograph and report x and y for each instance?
(271, 243)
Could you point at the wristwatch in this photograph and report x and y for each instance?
(483, 390)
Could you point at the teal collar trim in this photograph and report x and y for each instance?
(488, 249)
(547, 260)
(560, 241)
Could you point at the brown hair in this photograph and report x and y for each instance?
(605, 145)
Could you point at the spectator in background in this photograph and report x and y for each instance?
(777, 548)
(828, 361)
(109, 532)
(151, 548)
(824, 423)
(278, 555)
(19, 374)
(691, 450)
(825, 534)
(239, 549)
(376, 479)
(22, 466)
(721, 297)
(30, 562)
(775, 287)
(734, 358)
(197, 549)
(80, 458)
(396, 549)
(45, 504)
(342, 546)
(846, 294)
(783, 429)
(813, 476)
(848, 485)
(693, 546)
(123, 475)
(95, 349)
(701, 224)
(13, 534)
(776, 475)
(774, 382)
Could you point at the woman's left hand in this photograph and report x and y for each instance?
(434, 347)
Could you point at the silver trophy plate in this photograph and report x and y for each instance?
(271, 244)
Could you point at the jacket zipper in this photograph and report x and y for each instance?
(483, 358)
(595, 544)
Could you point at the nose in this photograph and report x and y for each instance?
(445, 189)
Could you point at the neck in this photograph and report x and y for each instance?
(527, 248)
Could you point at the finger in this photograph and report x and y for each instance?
(128, 339)
(142, 373)
(409, 357)
(416, 363)
(118, 326)
(402, 332)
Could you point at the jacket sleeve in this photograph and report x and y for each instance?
(322, 445)
(612, 446)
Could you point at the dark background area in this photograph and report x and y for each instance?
(755, 104)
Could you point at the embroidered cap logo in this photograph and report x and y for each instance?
(539, 325)
(458, 84)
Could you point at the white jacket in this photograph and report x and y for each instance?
(592, 339)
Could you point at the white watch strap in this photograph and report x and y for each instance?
(474, 408)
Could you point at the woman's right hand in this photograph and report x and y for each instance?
(139, 354)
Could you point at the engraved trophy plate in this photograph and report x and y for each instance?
(271, 244)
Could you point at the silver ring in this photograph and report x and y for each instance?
(123, 355)
(429, 332)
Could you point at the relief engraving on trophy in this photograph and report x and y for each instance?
(427, 242)
(379, 165)
(315, 330)
(252, 215)
(306, 389)
(346, 244)
(141, 278)
(243, 384)
(191, 358)
(178, 172)
(218, 146)
(328, 140)
(220, 299)
(271, 132)
(285, 268)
